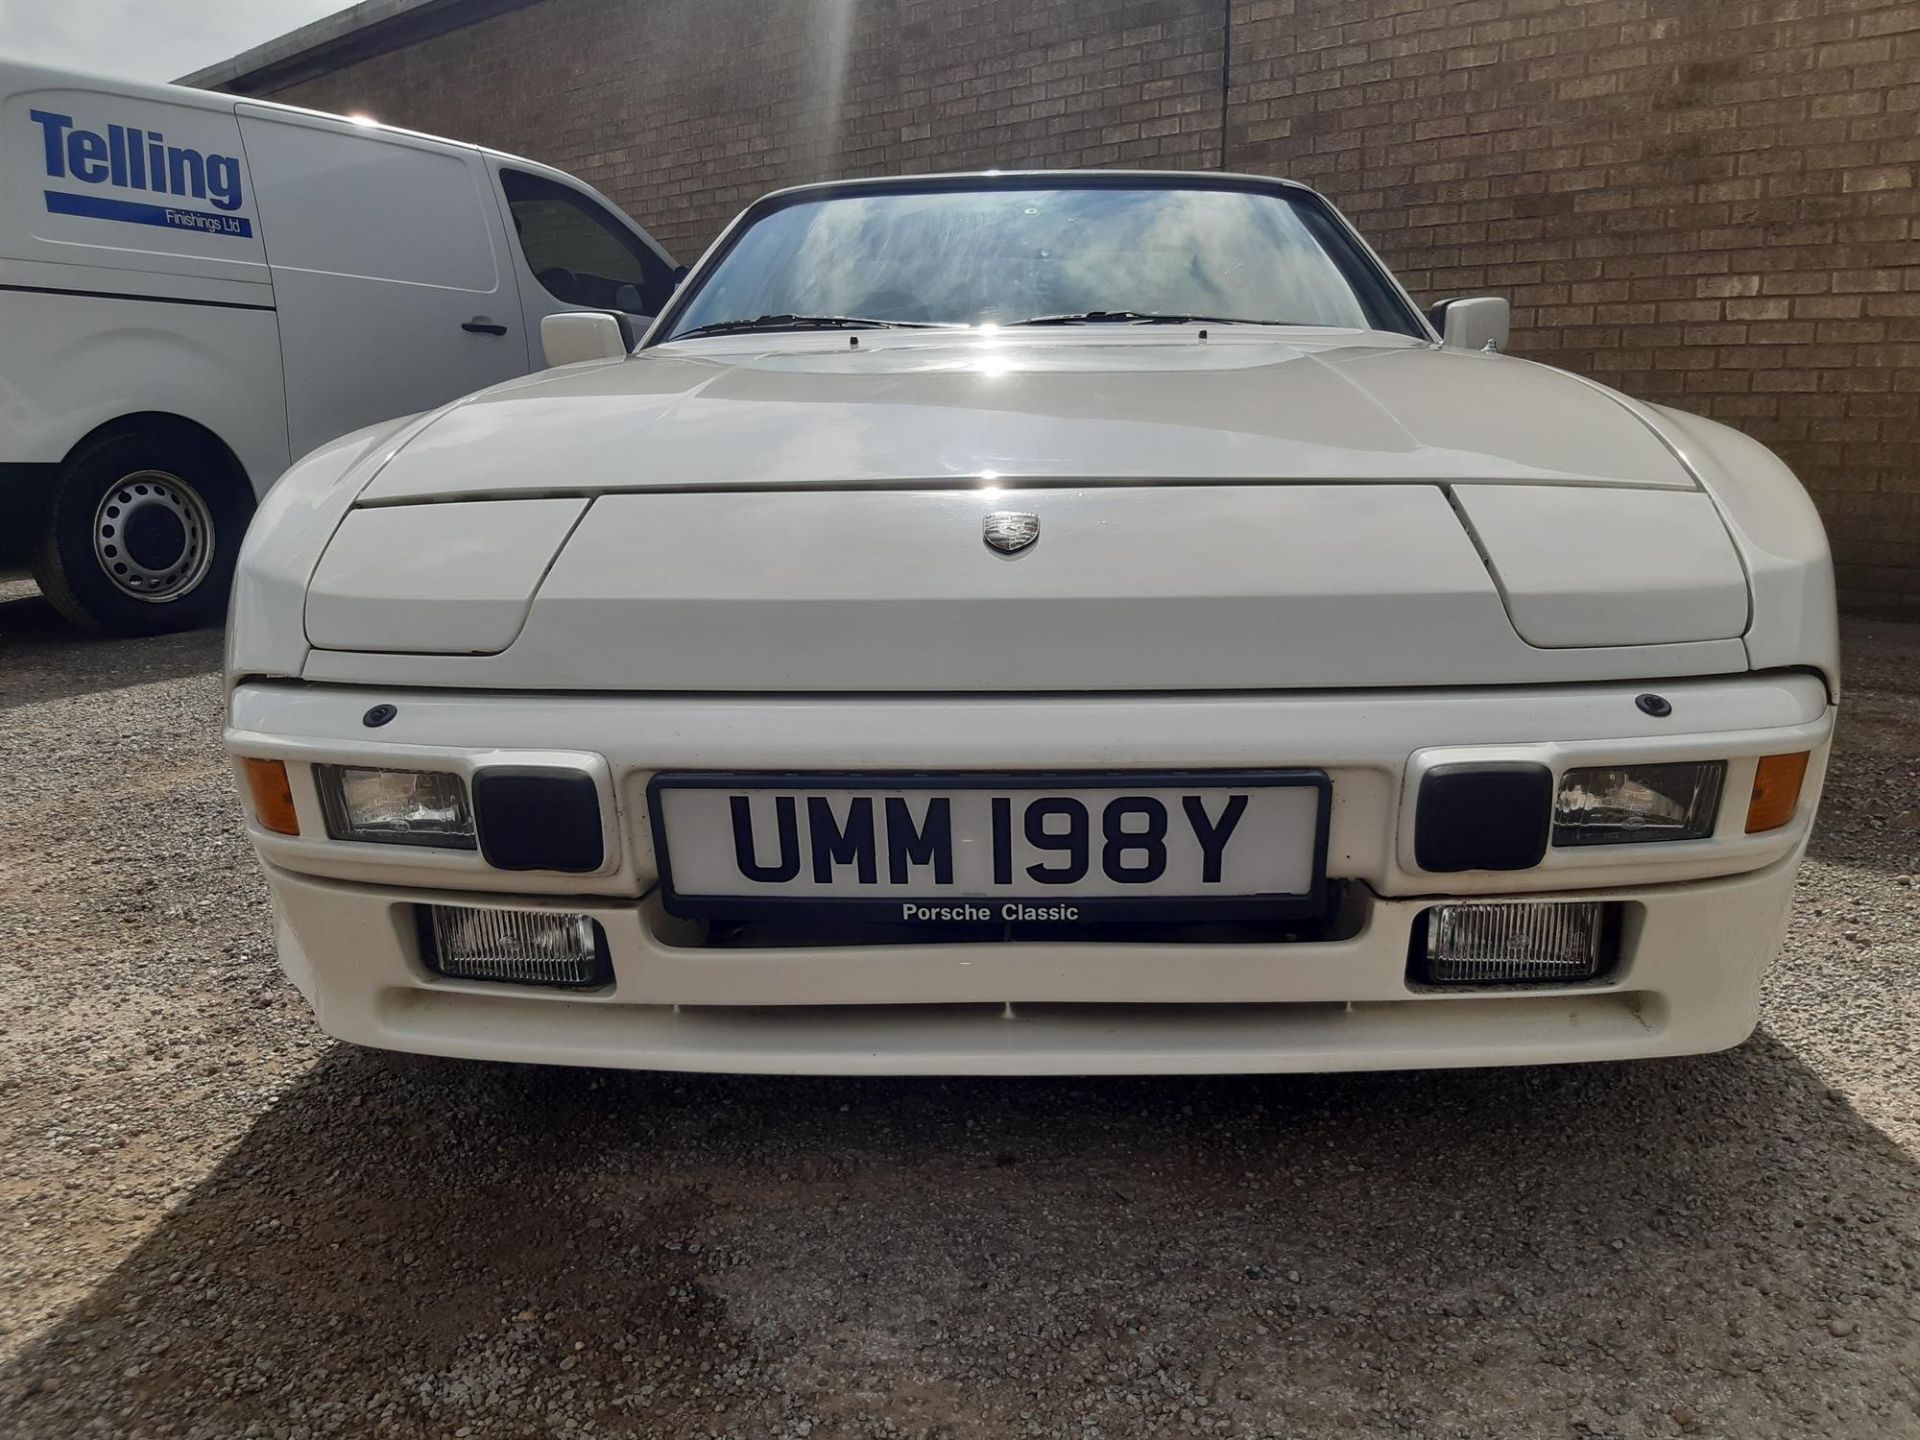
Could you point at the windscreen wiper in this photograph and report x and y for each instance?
(800, 322)
(1137, 317)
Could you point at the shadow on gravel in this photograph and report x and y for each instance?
(406, 1237)
(43, 656)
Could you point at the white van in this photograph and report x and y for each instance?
(196, 288)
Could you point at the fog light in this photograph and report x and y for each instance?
(395, 807)
(1636, 804)
(519, 947)
(1509, 943)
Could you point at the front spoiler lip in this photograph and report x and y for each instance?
(1688, 982)
(660, 960)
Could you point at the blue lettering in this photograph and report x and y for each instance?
(52, 125)
(87, 156)
(117, 153)
(223, 181)
(186, 171)
(137, 160)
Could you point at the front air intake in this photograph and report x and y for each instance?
(515, 947)
(1525, 943)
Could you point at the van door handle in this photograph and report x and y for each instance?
(480, 325)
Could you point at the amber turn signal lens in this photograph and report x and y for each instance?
(1776, 791)
(272, 796)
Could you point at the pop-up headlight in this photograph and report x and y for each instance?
(1636, 804)
(395, 807)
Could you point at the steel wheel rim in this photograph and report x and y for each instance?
(153, 537)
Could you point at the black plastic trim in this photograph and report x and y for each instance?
(1492, 815)
(127, 295)
(538, 817)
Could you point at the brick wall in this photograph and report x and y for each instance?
(1708, 203)
(684, 110)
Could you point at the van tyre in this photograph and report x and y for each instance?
(142, 533)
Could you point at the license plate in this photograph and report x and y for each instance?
(992, 849)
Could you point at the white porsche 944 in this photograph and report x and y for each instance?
(1037, 623)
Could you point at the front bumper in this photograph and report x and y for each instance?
(1702, 920)
(1688, 982)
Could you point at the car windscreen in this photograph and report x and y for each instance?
(1006, 255)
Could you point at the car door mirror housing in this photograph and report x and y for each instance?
(1480, 323)
(576, 335)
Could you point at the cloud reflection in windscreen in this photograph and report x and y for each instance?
(1000, 256)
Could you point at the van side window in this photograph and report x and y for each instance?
(580, 254)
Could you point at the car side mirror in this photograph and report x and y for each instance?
(1480, 323)
(576, 335)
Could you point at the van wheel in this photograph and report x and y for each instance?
(142, 533)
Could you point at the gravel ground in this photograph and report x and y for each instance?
(214, 1223)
